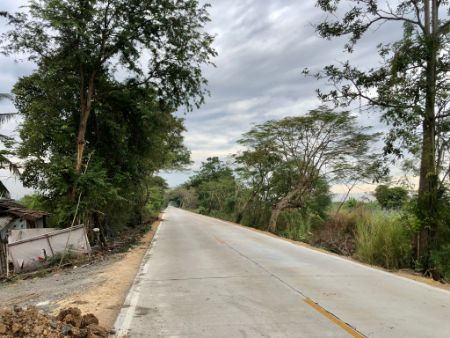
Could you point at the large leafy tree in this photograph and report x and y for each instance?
(158, 44)
(288, 159)
(411, 85)
(131, 137)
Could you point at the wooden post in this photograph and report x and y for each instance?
(49, 245)
(7, 258)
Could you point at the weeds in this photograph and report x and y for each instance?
(382, 239)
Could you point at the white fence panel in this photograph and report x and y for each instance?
(29, 254)
(20, 235)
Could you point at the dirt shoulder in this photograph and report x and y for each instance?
(106, 297)
(99, 287)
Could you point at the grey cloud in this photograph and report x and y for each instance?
(263, 46)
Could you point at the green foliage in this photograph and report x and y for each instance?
(155, 191)
(85, 40)
(440, 261)
(182, 197)
(298, 225)
(409, 85)
(88, 136)
(351, 203)
(203, 211)
(215, 187)
(59, 258)
(287, 161)
(391, 197)
(383, 239)
(33, 201)
(132, 138)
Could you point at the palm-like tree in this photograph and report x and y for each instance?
(5, 163)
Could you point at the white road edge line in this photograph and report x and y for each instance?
(392, 275)
(123, 321)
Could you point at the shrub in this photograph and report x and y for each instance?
(440, 260)
(297, 225)
(382, 239)
(337, 233)
(391, 198)
(352, 203)
(203, 211)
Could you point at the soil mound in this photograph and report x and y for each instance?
(32, 322)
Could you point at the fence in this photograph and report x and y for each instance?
(28, 254)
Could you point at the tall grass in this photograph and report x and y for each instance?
(382, 239)
(297, 225)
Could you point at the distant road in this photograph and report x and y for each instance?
(208, 278)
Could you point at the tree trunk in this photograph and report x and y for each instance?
(86, 98)
(281, 205)
(276, 211)
(428, 175)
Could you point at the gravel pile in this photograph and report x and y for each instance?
(32, 322)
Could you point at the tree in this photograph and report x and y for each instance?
(85, 42)
(214, 185)
(5, 162)
(130, 139)
(391, 197)
(255, 166)
(410, 87)
(182, 197)
(304, 150)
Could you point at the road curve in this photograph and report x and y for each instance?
(207, 278)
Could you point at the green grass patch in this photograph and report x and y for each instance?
(383, 239)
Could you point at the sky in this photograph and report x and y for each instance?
(262, 48)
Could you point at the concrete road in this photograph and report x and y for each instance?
(207, 278)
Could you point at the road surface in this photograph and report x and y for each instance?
(208, 278)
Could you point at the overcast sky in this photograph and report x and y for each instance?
(263, 46)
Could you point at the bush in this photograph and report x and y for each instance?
(440, 260)
(391, 198)
(203, 211)
(337, 233)
(382, 239)
(297, 225)
(352, 203)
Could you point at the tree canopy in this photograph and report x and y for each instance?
(99, 110)
(302, 149)
(410, 86)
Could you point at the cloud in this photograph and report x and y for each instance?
(262, 46)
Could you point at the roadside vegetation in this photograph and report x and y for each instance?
(380, 232)
(281, 182)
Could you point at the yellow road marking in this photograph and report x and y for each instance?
(334, 319)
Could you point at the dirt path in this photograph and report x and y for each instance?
(99, 288)
(106, 296)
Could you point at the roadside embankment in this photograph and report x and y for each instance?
(98, 287)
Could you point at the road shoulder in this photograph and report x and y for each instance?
(106, 297)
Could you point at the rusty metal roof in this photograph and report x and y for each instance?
(11, 207)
